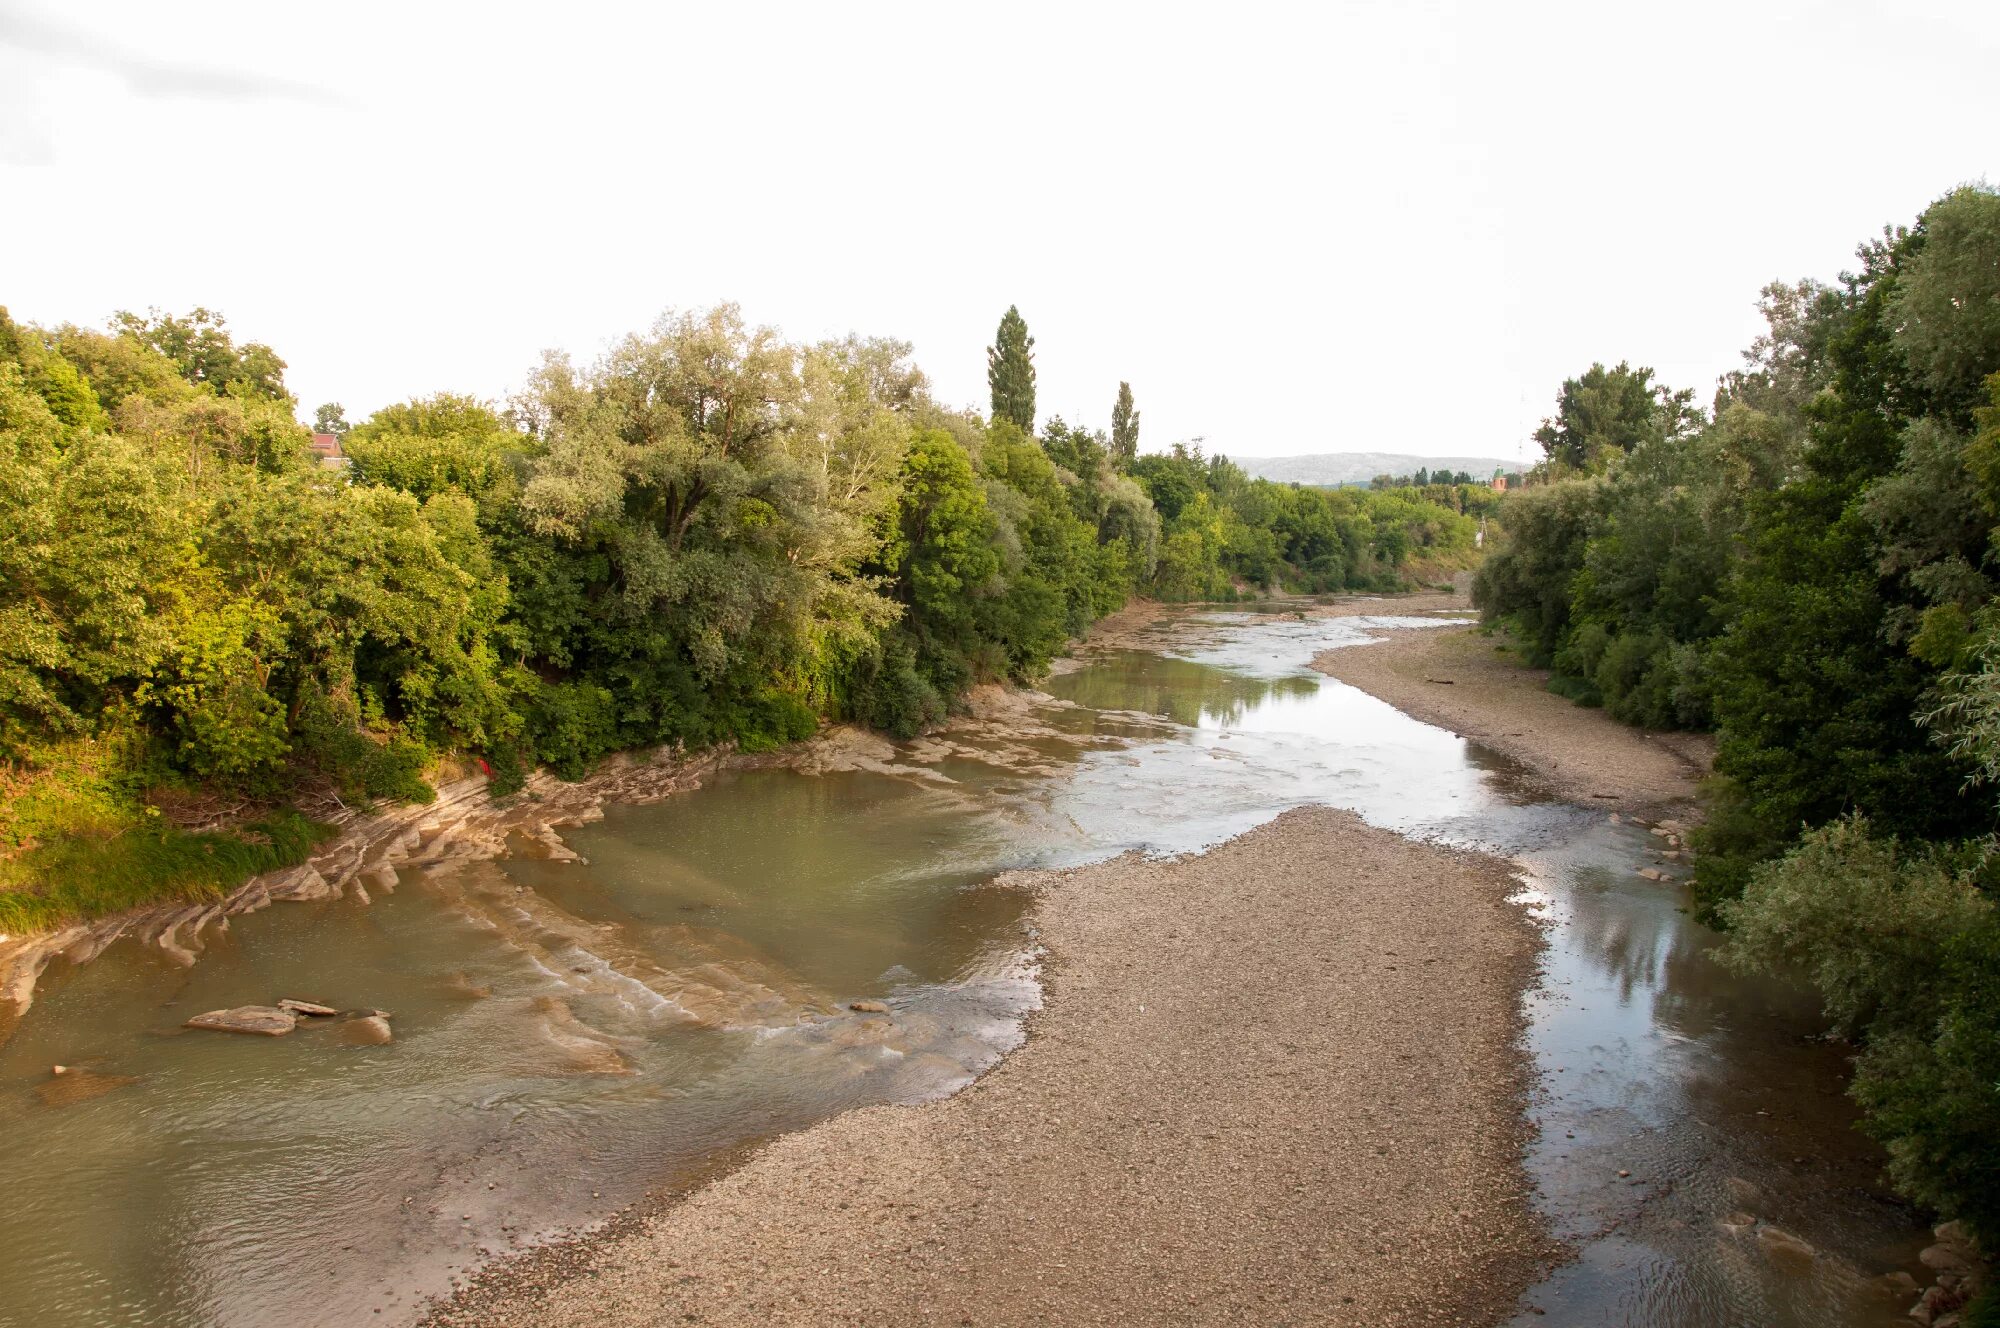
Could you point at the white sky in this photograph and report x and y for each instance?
(1337, 227)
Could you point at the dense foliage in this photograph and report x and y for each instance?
(1808, 568)
(710, 534)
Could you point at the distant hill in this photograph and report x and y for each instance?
(1361, 467)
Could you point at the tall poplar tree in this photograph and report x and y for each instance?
(1124, 427)
(1010, 371)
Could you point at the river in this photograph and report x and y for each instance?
(570, 1036)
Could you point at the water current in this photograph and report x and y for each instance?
(572, 1035)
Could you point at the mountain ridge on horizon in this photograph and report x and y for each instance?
(1334, 468)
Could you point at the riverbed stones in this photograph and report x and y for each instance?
(1946, 1258)
(309, 1008)
(265, 1020)
(370, 1030)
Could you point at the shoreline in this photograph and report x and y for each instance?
(1209, 1121)
(464, 826)
(1458, 679)
(461, 825)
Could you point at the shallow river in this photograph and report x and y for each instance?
(572, 1035)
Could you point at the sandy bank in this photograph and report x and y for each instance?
(1277, 1083)
(1455, 678)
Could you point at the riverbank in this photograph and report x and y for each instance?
(463, 824)
(1254, 1094)
(1459, 679)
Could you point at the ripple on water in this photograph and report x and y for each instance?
(569, 1033)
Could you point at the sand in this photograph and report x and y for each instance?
(1276, 1083)
(1463, 680)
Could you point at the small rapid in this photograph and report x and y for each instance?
(572, 1032)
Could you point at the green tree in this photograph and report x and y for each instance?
(1607, 413)
(1010, 372)
(201, 348)
(1124, 428)
(330, 418)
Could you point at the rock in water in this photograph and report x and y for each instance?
(312, 1008)
(367, 1031)
(74, 1086)
(268, 1020)
(868, 1007)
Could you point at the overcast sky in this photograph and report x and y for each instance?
(1329, 227)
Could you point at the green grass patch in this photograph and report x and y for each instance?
(79, 838)
(73, 878)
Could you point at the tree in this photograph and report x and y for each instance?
(1609, 412)
(1010, 372)
(1124, 428)
(206, 355)
(330, 418)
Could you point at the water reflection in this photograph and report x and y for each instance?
(568, 1034)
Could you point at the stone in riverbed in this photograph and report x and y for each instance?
(72, 1086)
(1784, 1245)
(311, 1008)
(868, 1007)
(268, 1020)
(368, 1031)
(1652, 873)
(1946, 1258)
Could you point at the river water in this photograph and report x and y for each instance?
(571, 1035)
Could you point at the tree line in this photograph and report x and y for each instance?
(1808, 568)
(710, 534)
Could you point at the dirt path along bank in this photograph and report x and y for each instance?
(1277, 1083)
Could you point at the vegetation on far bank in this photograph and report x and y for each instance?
(1811, 568)
(711, 534)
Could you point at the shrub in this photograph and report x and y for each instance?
(1904, 948)
(365, 766)
(572, 726)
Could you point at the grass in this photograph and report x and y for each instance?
(79, 839)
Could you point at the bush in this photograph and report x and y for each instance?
(1904, 948)
(771, 719)
(572, 726)
(365, 766)
(896, 696)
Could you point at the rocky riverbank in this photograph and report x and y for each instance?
(1256, 1093)
(463, 824)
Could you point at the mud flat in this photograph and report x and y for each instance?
(1279, 1082)
(1455, 678)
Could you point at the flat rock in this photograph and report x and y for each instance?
(368, 1031)
(312, 1008)
(1946, 1258)
(268, 1020)
(73, 1086)
(1785, 1245)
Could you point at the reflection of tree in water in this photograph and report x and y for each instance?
(1181, 690)
(1658, 954)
